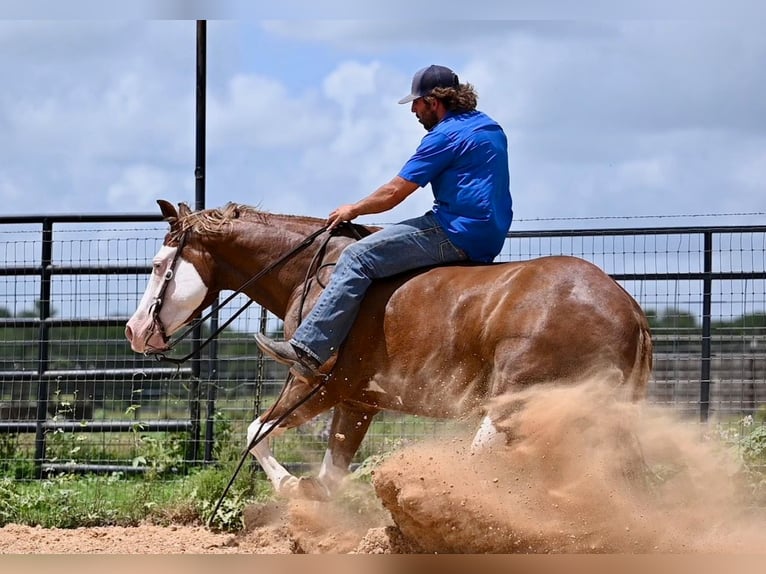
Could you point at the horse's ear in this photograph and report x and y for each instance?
(183, 209)
(168, 210)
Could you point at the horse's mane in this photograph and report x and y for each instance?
(218, 220)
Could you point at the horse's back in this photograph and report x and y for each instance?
(556, 294)
(460, 333)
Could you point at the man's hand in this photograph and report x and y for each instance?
(339, 215)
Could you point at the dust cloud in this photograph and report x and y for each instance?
(583, 473)
(354, 522)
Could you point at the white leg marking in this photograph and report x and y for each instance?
(486, 437)
(330, 475)
(275, 472)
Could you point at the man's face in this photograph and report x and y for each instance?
(425, 110)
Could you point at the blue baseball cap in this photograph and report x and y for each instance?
(429, 78)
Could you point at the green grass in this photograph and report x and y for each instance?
(69, 501)
(167, 491)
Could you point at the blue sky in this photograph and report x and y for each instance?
(606, 118)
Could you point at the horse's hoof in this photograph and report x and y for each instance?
(304, 488)
(311, 488)
(288, 487)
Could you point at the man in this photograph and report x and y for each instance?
(464, 156)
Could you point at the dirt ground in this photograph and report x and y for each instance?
(295, 527)
(152, 539)
(583, 474)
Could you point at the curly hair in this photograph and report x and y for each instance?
(460, 99)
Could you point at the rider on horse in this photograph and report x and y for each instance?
(464, 156)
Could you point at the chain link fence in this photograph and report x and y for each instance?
(74, 397)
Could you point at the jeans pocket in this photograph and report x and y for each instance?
(449, 252)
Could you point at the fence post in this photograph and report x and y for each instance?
(43, 352)
(212, 386)
(260, 366)
(707, 288)
(199, 203)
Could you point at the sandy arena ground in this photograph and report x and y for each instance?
(583, 474)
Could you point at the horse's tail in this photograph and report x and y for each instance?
(642, 365)
(638, 379)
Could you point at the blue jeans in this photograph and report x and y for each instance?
(414, 243)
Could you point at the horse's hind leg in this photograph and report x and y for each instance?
(506, 371)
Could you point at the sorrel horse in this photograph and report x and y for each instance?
(441, 342)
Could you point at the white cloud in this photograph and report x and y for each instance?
(446, 35)
(334, 150)
(648, 173)
(602, 117)
(87, 100)
(349, 81)
(139, 186)
(255, 113)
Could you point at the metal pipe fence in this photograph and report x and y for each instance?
(74, 397)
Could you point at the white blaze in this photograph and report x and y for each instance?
(185, 292)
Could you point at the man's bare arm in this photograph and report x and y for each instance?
(386, 197)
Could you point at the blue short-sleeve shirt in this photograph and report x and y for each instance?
(465, 159)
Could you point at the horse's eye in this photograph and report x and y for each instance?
(156, 267)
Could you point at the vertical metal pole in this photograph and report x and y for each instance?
(199, 170)
(752, 397)
(199, 203)
(260, 367)
(199, 175)
(212, 390)
(707, 289)
(43, 353)
(260, 376)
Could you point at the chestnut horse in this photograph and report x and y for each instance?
(440, 342)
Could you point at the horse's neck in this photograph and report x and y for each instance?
(256, 246)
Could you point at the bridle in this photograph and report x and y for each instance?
(156, 306)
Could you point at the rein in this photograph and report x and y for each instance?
(261, 435)
(156, 306)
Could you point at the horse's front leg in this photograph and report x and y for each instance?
(265, 426)
(282, 481)
(349, 427)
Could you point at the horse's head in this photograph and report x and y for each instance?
(227, 248)
(177, 290)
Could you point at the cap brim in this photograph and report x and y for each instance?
(408, 99)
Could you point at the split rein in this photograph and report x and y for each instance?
(314, 267)
(157, 305)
